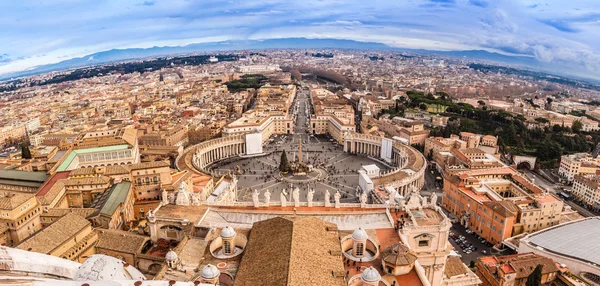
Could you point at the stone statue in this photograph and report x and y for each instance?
(255, 198)
(434, 199)
(195, 199)
(296, 196)
(336, 197)
(327, 198)
(267, 197)
(363, 199)
(393, 197)
(165, 197)
(283, 199)
(309, 197)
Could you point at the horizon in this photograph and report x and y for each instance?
(559, 36)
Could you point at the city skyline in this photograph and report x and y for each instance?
(556, 34)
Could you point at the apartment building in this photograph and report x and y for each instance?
(575, 164)
(514, 269)
(587, 188)
(498, 203)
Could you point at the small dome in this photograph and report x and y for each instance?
(210, 272)
(100, 267)
(359, 234)
(399, 255)
(370, 275)
(171, 256)
(227, 232)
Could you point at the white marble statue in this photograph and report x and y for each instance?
(165, 197)
(183, 197)
(309, 197)
(283, 199)
(195, 200)
(434, 199)
(327, 198)
(296, 196)
(363, 199)
(267, 197)
(337, 197)
(255, 200)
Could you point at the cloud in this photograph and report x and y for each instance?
(555, 31)
(560, 25)
(147, 3)
(479, 3)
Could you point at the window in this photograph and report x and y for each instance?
(360, 248)
(226, 247)
(423, 243)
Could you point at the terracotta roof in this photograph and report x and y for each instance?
(116, 170)
(148, 165)
(51, 237)
(121, 241)
(454, 267)
(504, 208)
(87, 181)
(285, 251)
(12, 201)
(398, 254)
(59, 212)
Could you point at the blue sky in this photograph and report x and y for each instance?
(561, 32)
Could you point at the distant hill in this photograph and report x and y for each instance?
(117, 55)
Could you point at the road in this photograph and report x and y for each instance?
(554, 188)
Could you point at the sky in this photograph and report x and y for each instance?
(561, 32)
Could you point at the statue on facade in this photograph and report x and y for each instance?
(434, 199)
(165, 197)
(255, 200)
(363, 199)
(337, 197)
(283, 199)
(327, 198)
(267, 197)
(309, 197)
(183, 197)
(296, 196)
(195, 199)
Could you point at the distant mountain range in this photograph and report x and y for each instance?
(117, 55)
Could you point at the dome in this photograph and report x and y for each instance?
(370, 275)
(171, 256)
(99, 267)
(359, 234)
(227, 232)
(210, 272)
(398, 255)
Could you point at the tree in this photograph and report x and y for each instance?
(25, 152)
(481, 102)
(542, 120)
(535, 278)
(284, 165)
(577, 126)
(423, 106)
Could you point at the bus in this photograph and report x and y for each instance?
(564, 195)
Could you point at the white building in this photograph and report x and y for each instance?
(574, 164)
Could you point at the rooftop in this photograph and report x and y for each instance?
(51, 237)
(283, 251)
(574, 239)
(65, 164)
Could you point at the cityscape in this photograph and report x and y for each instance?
(299, 160)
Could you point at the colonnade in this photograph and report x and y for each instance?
(218, 149)
(409, 164)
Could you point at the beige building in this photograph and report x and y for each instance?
(20, 214)
(587, 188)
(575, 164)
(71, 237)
